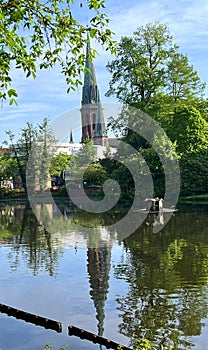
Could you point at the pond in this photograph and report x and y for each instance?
(150, 285)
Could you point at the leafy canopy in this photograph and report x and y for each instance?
(32, 153)
(59, 163)
(189, 130)
(39, 34)
(149, 71)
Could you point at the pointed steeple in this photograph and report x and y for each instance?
(71, 137)
(89, 90)
(93, 125)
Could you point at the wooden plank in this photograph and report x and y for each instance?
(81, 333)
(31, 318)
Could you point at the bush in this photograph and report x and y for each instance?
(6, 192)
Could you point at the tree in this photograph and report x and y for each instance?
(39, 34)
(183, 81)
(32, 153)
(41, 154)
(80, 161)
(85, 156)
(20, 149)
(150, 73)
(95, 174)
(194, 172)
(189, 130)
(8, 167)
(59, 163)
(139, 71)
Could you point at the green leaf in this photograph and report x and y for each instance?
(12, 92)
(12, 101)
(51, 26)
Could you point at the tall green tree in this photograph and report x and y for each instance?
(20, 149)
(32, 152)
(138, 71)
(189, 132)
(39, 34)
(43, 150)
(183, 81)
(150, 73)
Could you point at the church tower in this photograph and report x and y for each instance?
(93, 125)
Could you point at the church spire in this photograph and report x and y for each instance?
(93, 125)
(90, 84)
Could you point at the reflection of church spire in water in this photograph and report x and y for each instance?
(98, 269)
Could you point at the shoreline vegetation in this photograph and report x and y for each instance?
(7, 194)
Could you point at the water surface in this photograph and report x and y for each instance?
(151, 285)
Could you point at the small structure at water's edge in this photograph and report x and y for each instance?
(155, 205)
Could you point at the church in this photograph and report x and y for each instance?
(92, 121)
(92, 117)
(93, 124)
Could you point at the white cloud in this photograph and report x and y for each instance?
(186, 19)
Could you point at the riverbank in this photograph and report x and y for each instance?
(7, 194)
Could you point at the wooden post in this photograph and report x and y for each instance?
(81, 333)
(31, 318)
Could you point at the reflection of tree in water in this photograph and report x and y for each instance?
(167, 276)
(31, 241)
(41, 252)
(167, 272)
(7, 223)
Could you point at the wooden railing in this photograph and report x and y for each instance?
(57, 326)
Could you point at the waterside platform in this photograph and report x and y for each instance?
(154, 206)
(163, 210)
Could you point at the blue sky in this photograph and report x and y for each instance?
(46, 96)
